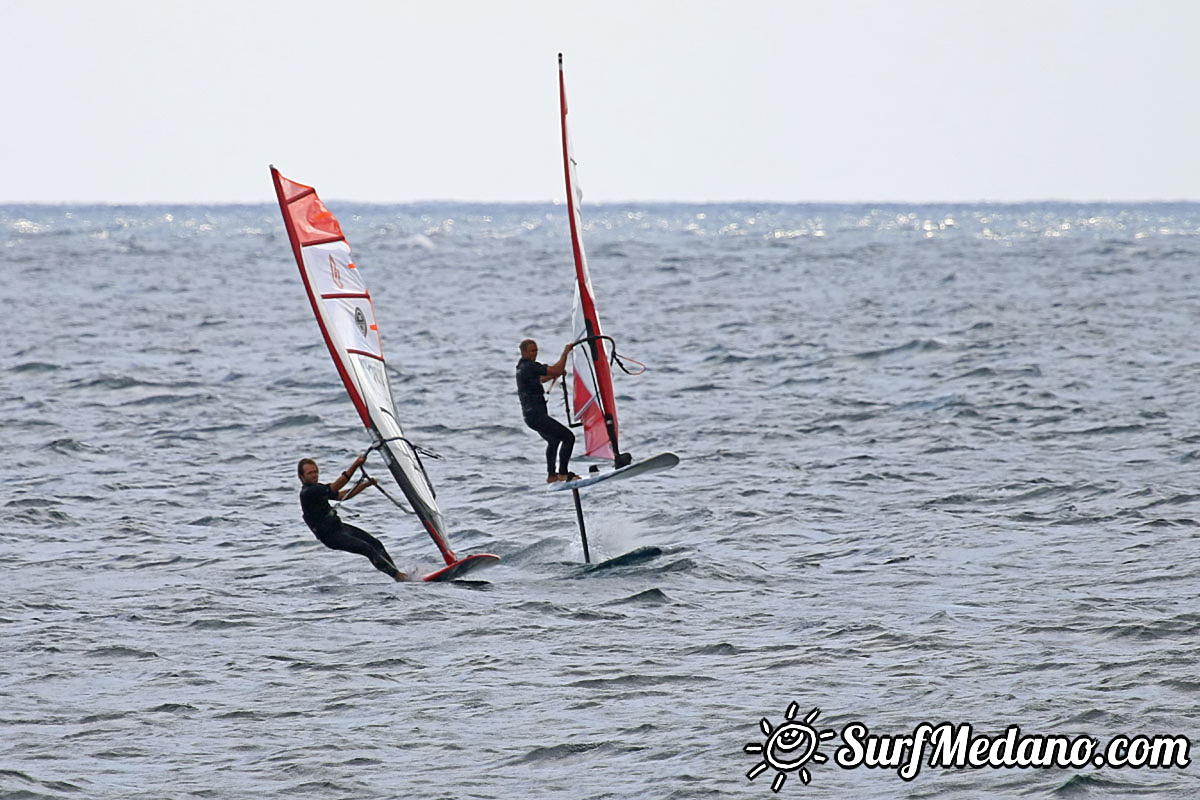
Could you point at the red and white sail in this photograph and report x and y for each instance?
(593, 403)
(344, 311)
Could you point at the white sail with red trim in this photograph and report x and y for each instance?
(593, 402)
(344, 311)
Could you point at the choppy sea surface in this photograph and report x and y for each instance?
(938, 465)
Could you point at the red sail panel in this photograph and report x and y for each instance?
(594, 402)
(310, 221)
(586, 409)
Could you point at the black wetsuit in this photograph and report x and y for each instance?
(559, 439)
(329, 529)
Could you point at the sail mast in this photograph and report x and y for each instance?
(595, 403)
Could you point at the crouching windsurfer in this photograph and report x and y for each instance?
(531, 374)
(328, 527)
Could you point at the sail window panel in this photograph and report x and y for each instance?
(588, 411)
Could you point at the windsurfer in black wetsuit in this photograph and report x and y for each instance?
(328, 527)
(531, 374)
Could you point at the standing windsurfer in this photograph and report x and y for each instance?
(328, 527)
(531, 374)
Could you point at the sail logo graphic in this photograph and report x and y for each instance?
(789, 747)
(334, 273)
(360, 319)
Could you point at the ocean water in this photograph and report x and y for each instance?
(938, 466)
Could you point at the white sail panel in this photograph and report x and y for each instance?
(331, 270)
(371, 377)
(352, 324)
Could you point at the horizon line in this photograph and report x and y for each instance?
(602, 203)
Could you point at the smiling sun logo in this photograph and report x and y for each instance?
(789, 747)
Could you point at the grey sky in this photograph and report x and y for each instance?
(788, 100)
